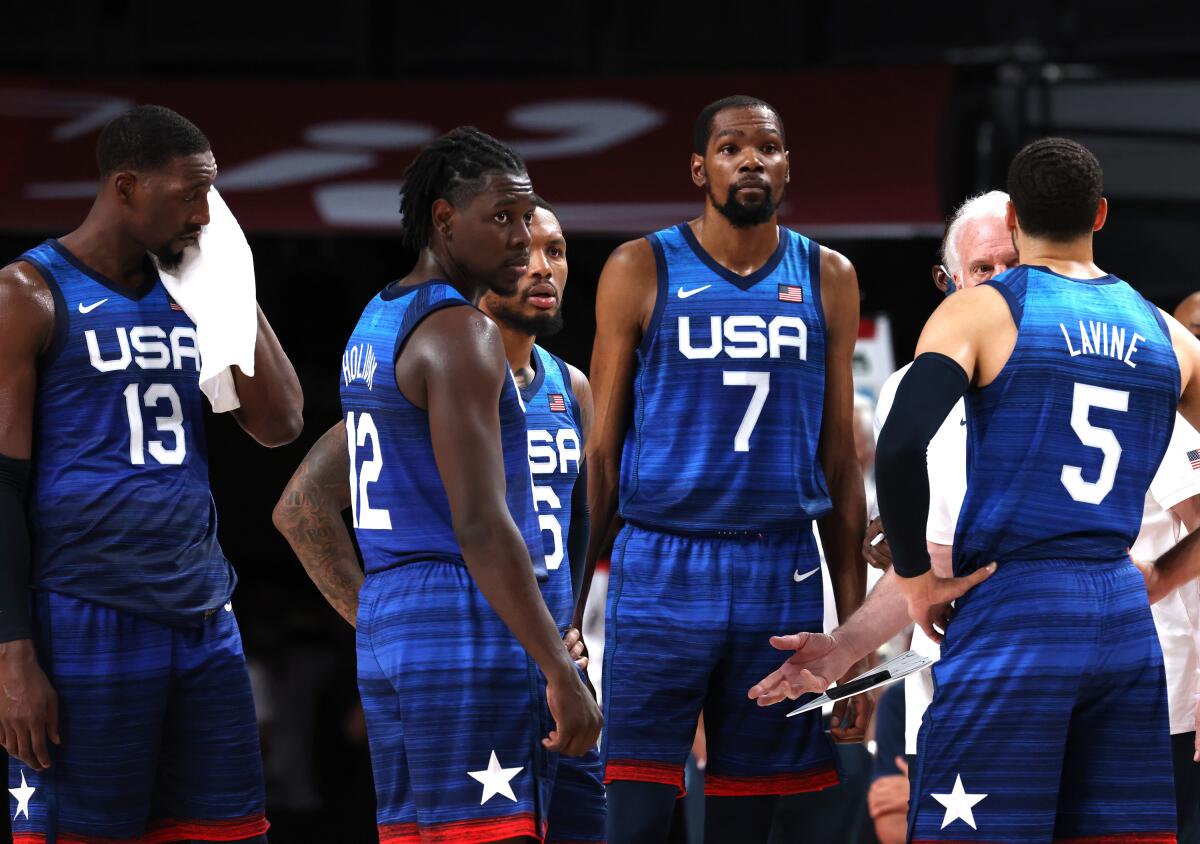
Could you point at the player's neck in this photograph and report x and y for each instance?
(741, 250)
(1073, 258)
(518, 348)
(432, 265)
(106, 248)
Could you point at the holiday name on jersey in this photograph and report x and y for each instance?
(746, 337)
(358, 362)
(1100, 338)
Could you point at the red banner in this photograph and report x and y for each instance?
(612, 155)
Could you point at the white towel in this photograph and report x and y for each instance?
(214, 284)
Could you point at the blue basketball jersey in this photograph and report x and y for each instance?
(728, 394)
(1063, 444)
(120, 509)
(399, 506)
(555, 452)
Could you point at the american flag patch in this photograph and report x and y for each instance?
(1194, 456)
(791, 293)
(558, 404)
(175, 306)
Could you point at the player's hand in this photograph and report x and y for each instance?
(1156, 590)
(577, 718)
(889, 794)
(852, 715)
(573, 640)
(28, 705)
(577, 648)
(929, 597)
(818, 661)
(878, 555)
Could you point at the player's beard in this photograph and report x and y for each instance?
(169, 260)
(743, 215)
(545, 324)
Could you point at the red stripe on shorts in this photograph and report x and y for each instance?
(163, 830)
(812, 780)
(482, 829)
(635, 770)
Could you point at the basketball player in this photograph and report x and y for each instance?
(442, 505)
(558, 414)
(724, 405)
(1072, 381)
(126, 704)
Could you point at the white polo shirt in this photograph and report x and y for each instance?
(1177, 616)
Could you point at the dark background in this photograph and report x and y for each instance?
(1005, 59)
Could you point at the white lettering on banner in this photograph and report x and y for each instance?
(561, 129)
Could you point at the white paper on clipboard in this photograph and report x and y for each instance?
(897, 668)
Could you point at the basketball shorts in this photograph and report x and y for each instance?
(687, 629)
(1049, 714)
(159, 738)
(455, 711)
(578, 809)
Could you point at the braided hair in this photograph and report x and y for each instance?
(451, 167)
(1055, 185)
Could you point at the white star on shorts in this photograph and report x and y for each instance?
(958, 804)
(22, 794)
(495, 780)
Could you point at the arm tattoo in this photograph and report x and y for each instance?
(309, 515)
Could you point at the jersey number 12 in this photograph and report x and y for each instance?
(358, 436)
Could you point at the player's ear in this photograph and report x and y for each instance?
(699, 176)
(443, 216)
(1101, 215)
(787, 174)
(124, 183)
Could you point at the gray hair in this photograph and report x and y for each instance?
(990, 204)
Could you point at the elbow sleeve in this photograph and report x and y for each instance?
(926, 395)
(14, 551)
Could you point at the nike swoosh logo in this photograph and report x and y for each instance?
(683, 294)
(89, 308)
(797, 576)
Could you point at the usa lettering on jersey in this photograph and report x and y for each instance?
(148, 342)
(746, 337)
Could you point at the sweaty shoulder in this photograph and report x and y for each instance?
(839, 293)
(628, 287)
(631, 266)
(458, 345)
(583, 395)
(975, 327)
(26, 304)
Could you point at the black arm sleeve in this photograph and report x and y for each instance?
(14, 551)
(926, 395)
(577, 534)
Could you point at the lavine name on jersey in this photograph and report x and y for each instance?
(746, 337)
(358, 363)
(1100, 338)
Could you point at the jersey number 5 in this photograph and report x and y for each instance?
(360, 436)
(1086, 397)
